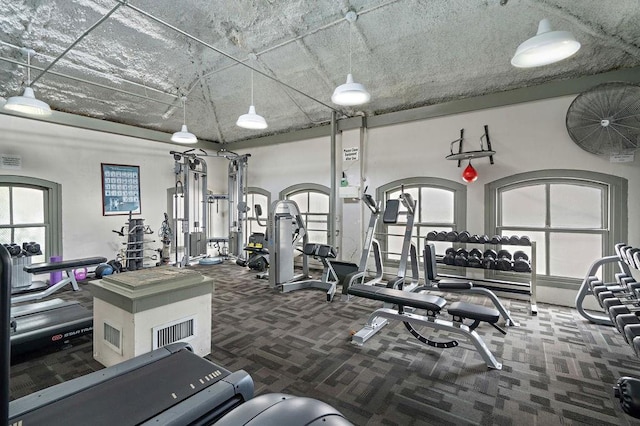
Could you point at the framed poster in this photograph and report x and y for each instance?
(120, 189)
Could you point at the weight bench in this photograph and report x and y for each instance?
(460, 311)
(329, 278)
(457, 285)
(47, 267)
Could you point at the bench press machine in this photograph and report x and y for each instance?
(47, 267)
(433, 305)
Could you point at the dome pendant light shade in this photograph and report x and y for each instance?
(251, 120)
(28, 104)
(545, 48)
(469, 174)
(350, 93)
(184, 136)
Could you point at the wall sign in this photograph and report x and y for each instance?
(120, 189)
(350, 154)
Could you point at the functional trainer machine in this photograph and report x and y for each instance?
(169, 386)
(196, 222)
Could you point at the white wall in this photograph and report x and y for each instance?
(527, 137)
(72, 157)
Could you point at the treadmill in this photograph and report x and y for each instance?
(169, 386)
(52, 322)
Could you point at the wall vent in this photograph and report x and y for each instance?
(172, 332)
(113, 337)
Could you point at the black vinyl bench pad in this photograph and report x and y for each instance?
(398, 297)
(474, 312)
(41, 268)
(455, 285)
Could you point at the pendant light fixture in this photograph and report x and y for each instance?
(251, 120)
(27, 103)
(184, 136)
(545, 48)
(350, 93)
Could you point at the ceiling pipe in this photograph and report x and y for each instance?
(223, 53)
(81, 80)
(78, 40)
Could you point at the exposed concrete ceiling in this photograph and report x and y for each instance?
(408, 53)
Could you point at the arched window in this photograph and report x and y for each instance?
(313, 201)
(31, 210)
(575, 217)
(440, 205)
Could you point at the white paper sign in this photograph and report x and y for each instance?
(350, 154)
(621, 158)
(9, 161)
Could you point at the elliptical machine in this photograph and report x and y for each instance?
(256, 248)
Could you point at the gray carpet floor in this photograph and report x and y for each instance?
(558, 369)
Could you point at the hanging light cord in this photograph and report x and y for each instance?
(251, 87)
(28, 68)
(184, 110)
(350, 47)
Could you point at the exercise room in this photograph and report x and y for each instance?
(382, 212)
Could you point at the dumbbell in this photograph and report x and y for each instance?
(475, 238)
(489, 259)
(627, 390)
(484, 239)
(475, 258)
(449, 256)
(32, 248)
(625, 291)
(514, 240)
(462, 257)
(503, 261)
(441, 236)
(431, 236)
(13, 249)
(525, 241)
(464, 236)
(521, 262)
(497, 239)
(452, 236)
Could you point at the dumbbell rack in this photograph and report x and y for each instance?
(514, 289)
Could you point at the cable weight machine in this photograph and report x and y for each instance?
(193, 205)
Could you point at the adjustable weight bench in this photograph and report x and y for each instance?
(433, 305)
(458, 285)
(47, 267)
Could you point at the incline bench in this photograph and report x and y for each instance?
(47, 267)
(433, 305)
